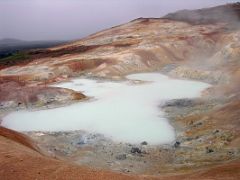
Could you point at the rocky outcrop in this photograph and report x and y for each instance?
(15, 95)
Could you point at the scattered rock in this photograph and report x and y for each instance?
(125, 170)
(135, 150)
(227, 136)
(144, 143)
(209, 150)
(82, 142)
(177, 144)
(180, 103)
(121, 157)
(197, 124)
(216, 131)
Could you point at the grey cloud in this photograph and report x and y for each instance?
(73, 19)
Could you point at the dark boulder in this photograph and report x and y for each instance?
(177, 144)
(144, 143)
(209, 150)
(135, 150)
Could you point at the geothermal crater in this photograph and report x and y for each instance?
(123, 111)
(140, 126)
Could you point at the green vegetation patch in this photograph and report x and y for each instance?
(15, 58)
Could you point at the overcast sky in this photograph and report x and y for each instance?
(73, 19)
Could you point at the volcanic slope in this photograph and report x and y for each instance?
(201, 45)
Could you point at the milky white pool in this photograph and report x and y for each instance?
(122, 111)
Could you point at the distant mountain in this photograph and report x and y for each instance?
(8, 46)
(7, 41)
